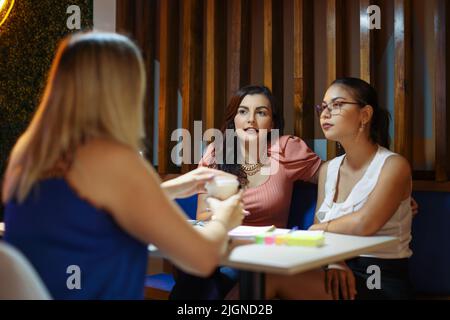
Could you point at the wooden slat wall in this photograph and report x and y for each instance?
(441, 86)
(168, 56)
(137, 19)
(303, 69)
(145, 37)
(334, 53)
(273, 49)
(366, 42)
(192, 71)
(239, 58)
(215, 28)
(402, 79)
(125, 16)
(215, 56)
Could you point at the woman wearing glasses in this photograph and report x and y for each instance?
(365, 192)
(361, 129)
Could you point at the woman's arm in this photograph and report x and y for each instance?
(203, 213)
(393, 186)
(315, 178)
(322, 175)
(126, 186)
(192, 182)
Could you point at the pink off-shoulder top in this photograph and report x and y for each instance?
(290, 160)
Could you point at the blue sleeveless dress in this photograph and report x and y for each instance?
(79, 251)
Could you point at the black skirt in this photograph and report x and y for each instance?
(388, 278)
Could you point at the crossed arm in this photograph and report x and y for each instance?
(393, 187)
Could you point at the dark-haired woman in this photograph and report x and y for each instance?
(251, 113)
(365, 192)
(350, 114)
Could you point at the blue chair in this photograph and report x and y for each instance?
(430, 262)
(303, 205)
(159, 286)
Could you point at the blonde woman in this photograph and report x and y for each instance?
(80, 202)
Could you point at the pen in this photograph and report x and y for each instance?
(199, 223)
(294, 228)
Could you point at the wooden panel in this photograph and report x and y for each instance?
(125, 16)
(239, 59)
(441, 85)
(168, 55)
(145, 37)
(215, 72)
(268, 34)
(303, 69)
(192, 72)
(273, 49)
(402, 74)
(432, 186)
(334, 53)
(366, 42)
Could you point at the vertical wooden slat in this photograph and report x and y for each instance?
(145, 37)
(303, 69)
(239, 60)
(273, 49)
(441, 85)
(191, 73)
(168, 56)
(268, 54)
(366, 42)
(215, 67)
(125, 17)
(334, 53)
(402, 78)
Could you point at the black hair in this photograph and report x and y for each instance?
(365, 94)
(230, 113)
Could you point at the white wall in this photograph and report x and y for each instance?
(105, 15)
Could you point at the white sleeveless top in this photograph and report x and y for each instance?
(399, 225)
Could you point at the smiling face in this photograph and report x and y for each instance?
(346, 119)
(254, 113)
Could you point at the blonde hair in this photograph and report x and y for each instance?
(95, 89)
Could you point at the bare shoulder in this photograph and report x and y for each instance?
(397, 172)
(396, 165)
(322, 176)
(103, 169)
(103, 155)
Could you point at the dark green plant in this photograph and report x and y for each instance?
(28, 40)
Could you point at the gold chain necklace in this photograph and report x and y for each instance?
(251, 169)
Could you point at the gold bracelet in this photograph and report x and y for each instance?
(327, 225)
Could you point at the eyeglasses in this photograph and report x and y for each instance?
(334, 107)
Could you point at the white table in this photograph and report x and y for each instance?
(254, 260)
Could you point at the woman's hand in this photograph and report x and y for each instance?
(318, 226)
(230, 212)
(339, 278)
(192, 182)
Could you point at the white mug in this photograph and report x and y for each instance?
(222, 188)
